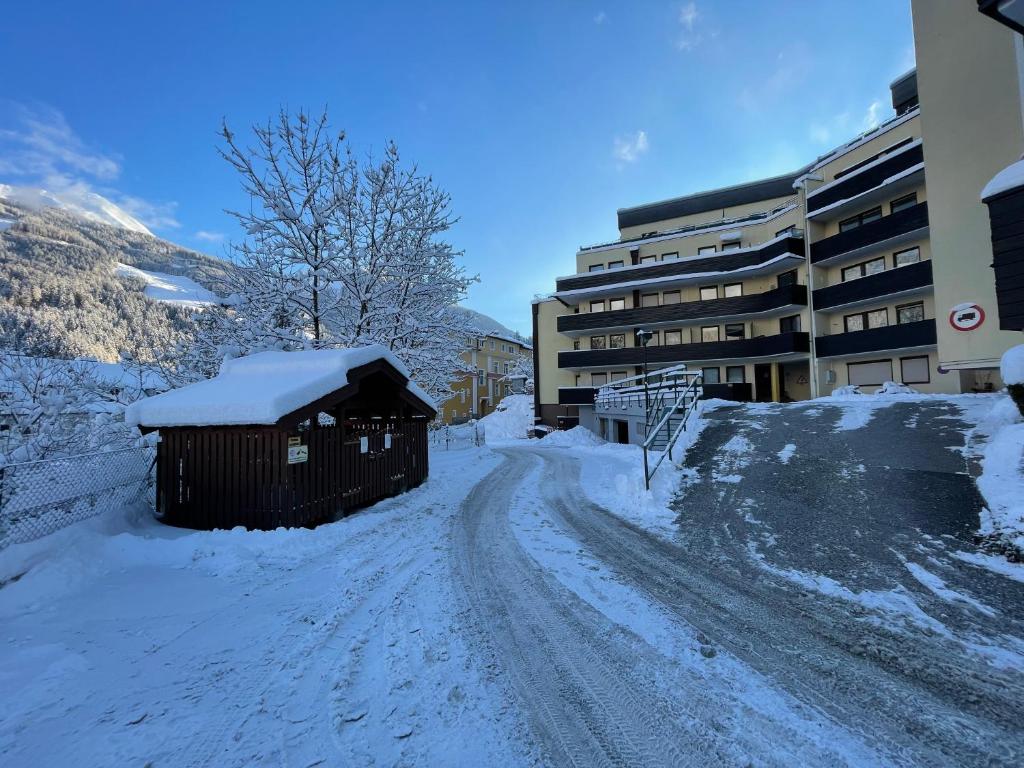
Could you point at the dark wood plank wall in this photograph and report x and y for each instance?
(224, 477)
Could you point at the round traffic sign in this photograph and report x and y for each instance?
(966, 317)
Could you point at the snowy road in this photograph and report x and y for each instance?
(816, 602)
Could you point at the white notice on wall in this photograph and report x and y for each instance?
(364, 445)
(298, 454)
(387, 440)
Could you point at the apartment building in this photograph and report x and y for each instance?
(870, 264)
(489, 360)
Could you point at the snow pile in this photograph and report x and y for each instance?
(1001, 482)
(572, 438)
(261, 388)
(1011, 367)
(170, 289)
(848, 391)
(1009, 178)
(511, 420)
(895, 388)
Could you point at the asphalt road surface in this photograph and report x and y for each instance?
(822, 613)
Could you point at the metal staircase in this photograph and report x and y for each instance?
(666, 398)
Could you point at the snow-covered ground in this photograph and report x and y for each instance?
(130, 643)
(170, 289)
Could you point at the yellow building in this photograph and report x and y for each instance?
(489, 359)
(860, 268)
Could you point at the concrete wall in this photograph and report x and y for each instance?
(968, 81)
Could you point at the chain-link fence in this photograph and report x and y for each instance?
(40, 497)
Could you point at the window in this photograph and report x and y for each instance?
(709, 292)
(710, 375)
(673, 337)
(915, 370)
(733, 289)
(597, 306)
(481, 377)
(735, 331)
(617, 341)
(505, 369)
(902, 203)
(910, 313)
(731, 246)
(596, 268)
(788, 230)
(877, 318)
(649, 300)
(875, 373)
(492, 346)
(705, 249)
(648, 259)
(576, 344)
(860, 219)
(872, 267)
(597, 342)
(598, 379)
(670, 297)
(618, 375)
(614, 265)
(670, 256)
(735, 374)
(789, 324)
(709, 333)
(614, 304)
(786, 278)
(909, 256)
(655, 339)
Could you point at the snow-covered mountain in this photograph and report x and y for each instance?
(82, 203)
(488, 325)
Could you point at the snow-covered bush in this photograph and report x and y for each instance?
(1011, 368)
(895, 388)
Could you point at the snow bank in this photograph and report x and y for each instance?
(572, 438)
(1011, 177)
(895, 388)
(511, 420)
(1011, 367)
(261, 388)
(1001, 482)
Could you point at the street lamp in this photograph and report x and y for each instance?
(1007, 12)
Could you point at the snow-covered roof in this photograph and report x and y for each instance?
(262, 388)
(1011, 177)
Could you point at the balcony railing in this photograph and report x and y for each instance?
(734, 306)
(904, 335)
(761, 346)
(870, 178)
(720, 262)
(877, 231)
(890, 281)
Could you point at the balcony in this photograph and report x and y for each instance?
(762, 346)
(723, 261)
(867, 179)
(901, 280)
(903, 336)
(736, 306)
(887, 229)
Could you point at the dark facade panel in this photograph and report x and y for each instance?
(754, 303)
(1006, 214)
(720, 262)
(713, 200)
(882, 284)
(904, 92)
(762, 346)
(869, 179)
(741, 393)
(880, 230)
(920, 334)
(576, 395)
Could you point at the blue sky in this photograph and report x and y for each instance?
(539, 118)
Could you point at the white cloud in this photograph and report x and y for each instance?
(600, 18)
(209, 237)
(872, 115)
(690, 37)
(781, 81)
(629, 149)
(39, 148)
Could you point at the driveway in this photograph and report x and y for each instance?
(813, 607)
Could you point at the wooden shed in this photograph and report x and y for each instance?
(287, 439)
